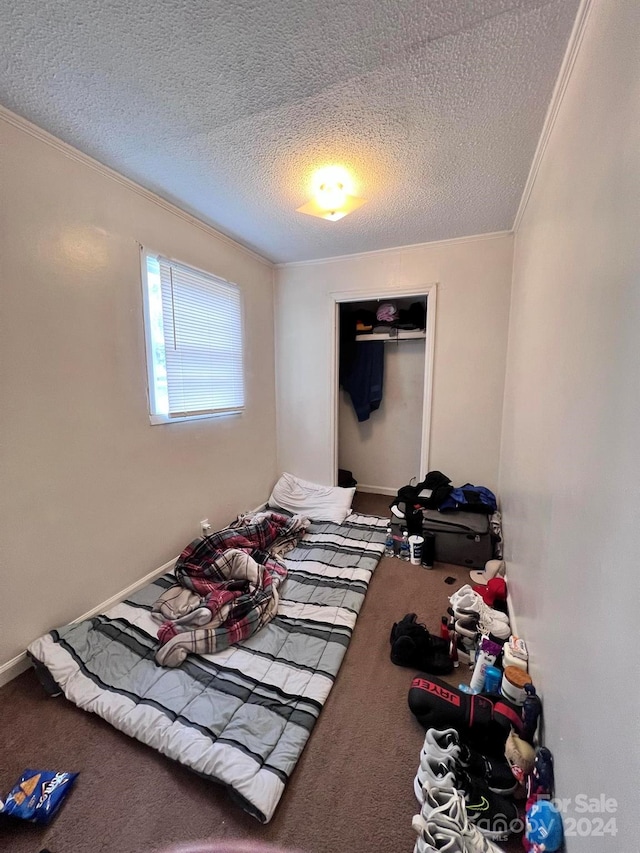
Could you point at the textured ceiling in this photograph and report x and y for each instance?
(226, 108)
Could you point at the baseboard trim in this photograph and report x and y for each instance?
(13, 668)
(376, 490)
(17, 665)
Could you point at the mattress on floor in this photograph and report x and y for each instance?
(240, 717)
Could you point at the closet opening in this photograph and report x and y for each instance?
(383, 350)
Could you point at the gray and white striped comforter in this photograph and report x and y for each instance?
(240, 717)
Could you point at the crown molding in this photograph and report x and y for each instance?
(493, 235)
(74, 154)
(564, 75)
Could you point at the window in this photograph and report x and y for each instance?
(194, 342)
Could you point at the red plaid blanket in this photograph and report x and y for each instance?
(227, 586)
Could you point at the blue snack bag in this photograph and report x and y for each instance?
(38, 795)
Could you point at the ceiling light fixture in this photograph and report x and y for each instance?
(331, 198)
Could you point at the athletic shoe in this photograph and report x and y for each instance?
(445, 810)
(494, 815)
(466, 602)
(468, 605)
(445, 745)
(474, 605)
(412, 645)
(439, 802)
(467, 628)
(470, 627)
(410, 626)
(466, 647)
(439, 836)
(433, 772)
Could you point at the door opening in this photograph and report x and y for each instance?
(391, 445)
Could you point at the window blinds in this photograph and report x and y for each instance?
(202, 320)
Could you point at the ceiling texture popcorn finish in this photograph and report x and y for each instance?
(227, 108)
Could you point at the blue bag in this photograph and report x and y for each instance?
(470, 498)
(38, 795)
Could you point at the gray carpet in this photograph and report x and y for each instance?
(352, 791)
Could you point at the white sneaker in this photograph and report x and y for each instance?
(440, 743)
(463, 592)
(444, 813)
(466, 602)
(439, 836)
(433, 772)
(442, 804)
(444, 745)
(469, 627)
(474, 840)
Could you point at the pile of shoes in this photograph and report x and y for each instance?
(474, 616)
(463, 797)
(469, 801)
(479, 762)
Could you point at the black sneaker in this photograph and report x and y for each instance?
(497, 774)
(409, 626)
(446, 744)
(494, 815)
(412, 645)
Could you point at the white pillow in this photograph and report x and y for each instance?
(321, 503)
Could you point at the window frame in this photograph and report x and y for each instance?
(156, 418)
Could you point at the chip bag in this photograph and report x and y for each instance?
(38, 795)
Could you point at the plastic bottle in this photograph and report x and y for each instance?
(388, 545)
(453, 643)
(531, 710)
(472, 656)
(492, 679)
(486, 656)
(405, 551)
(444, 628)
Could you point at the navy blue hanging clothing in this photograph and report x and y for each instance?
(363, 382)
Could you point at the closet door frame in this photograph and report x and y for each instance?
(386, 293)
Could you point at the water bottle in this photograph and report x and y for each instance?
(388, 545)
(531, 711)
(405, 551)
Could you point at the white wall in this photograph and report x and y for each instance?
(93, 497)
(570, 466)
(470, 347)
(384, 451)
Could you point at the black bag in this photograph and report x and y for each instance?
(462, 538)
(436, 483)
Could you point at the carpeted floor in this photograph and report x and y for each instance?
(352, 791)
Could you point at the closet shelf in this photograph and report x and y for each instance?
(400, 335)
